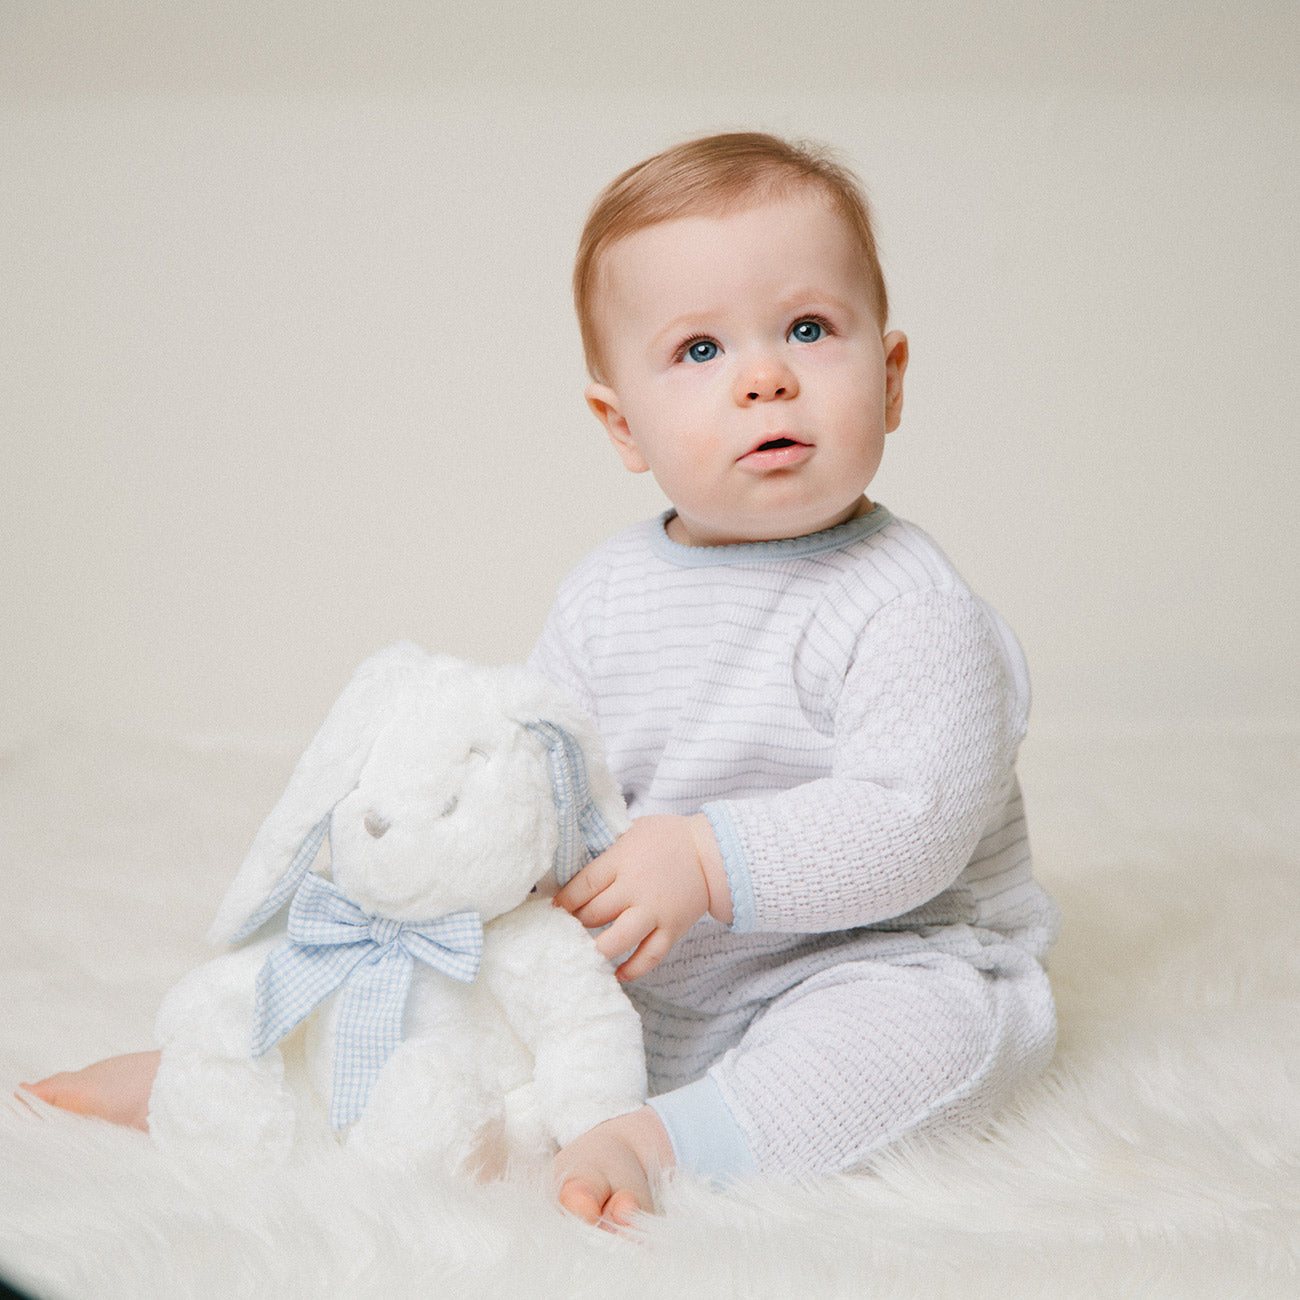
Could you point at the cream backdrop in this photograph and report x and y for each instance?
(289, 369)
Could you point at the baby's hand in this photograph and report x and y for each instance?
(650, 887)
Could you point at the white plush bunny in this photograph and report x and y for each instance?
(421, 1003)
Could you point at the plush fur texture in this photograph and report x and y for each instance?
(440, 798)
(1159, 1157)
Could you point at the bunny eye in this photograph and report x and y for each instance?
(450, 806)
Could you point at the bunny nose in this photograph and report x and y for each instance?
(375, 825)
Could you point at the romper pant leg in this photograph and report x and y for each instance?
(864, 1053)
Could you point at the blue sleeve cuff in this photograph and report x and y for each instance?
(744, 909)
(705, 1136)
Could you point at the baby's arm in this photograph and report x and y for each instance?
(650, 887)
(925, 725)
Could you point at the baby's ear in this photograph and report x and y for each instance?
(895, 368)
(605, 406)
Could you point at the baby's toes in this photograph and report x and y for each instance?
(58, 1091)
(580, 1197)
(622, 1209)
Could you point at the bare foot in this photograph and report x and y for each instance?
(604, 1177)
(116, 1089)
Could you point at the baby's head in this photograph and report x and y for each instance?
(733, 314)
(710, 176)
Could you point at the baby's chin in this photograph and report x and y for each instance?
(688, 532)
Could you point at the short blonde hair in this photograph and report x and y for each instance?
(707, 177)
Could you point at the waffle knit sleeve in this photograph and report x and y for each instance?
(925, 733)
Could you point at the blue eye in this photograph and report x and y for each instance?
(701, 350)
(806, 331)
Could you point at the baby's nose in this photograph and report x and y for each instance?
(766, 381)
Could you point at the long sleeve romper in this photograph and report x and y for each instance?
(847, 714)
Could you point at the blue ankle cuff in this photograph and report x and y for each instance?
(705, 1136)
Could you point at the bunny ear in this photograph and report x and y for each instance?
(284, 848)
(578, 778)
(289, 882)
(589, 806)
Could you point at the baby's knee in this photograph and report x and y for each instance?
(825, 1079)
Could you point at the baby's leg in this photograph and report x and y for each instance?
(605, 1176)
(863, 1054)
(116, 1089)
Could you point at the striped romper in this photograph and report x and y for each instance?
(846, 713)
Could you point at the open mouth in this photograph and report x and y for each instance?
(779, 452)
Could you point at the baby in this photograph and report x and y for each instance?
(824, 910)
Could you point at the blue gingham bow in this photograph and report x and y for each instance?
(334, 942)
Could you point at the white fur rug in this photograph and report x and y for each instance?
(1160, 1157)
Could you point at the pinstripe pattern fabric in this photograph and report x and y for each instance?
(806, 690)
(847, 712)
(331, 943)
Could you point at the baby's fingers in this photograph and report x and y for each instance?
(593, 879)
(602, 909)
(599, 909)
(625, 934)
(650, 952)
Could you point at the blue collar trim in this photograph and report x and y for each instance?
(773, 552)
